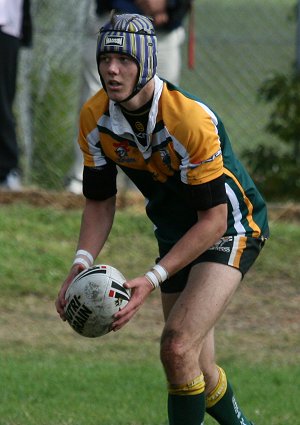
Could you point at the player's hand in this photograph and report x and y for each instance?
(140, 289)
(60, 300)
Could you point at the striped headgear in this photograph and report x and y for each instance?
(133, 35)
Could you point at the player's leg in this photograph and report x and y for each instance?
(220, 400)
(209, 288)
(184, 410)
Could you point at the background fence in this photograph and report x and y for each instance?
(238, 44)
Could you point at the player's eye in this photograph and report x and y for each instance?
(104, 58)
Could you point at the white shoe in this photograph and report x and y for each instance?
(74, 186)
(12, 182)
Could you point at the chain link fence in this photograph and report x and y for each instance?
(238, 44)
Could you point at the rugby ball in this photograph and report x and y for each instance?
(93, 297)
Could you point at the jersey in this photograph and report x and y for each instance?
(186, 148)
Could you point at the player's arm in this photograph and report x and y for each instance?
(96, 223)
(210, 227)
(210, 201)
(99, 188)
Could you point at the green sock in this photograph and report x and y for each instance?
(226, 411)
(186, 409)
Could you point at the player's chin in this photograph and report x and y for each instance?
(117, 95)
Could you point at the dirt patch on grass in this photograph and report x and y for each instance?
(261, 325)
(65, 200)
(126, 198)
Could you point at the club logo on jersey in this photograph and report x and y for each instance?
(117, 40)
(122, 150)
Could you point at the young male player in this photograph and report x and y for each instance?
(210, 221)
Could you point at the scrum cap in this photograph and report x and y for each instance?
(133, 35)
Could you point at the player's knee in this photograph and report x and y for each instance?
(172, 349)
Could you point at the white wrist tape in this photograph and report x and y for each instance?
(162, 272)
(85, 254)
(152, 278)
(157, 275)
(82, 261)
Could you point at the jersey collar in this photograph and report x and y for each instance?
(121, 127)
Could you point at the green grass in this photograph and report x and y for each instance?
(36, 239)
(72, 389)
(51, 376)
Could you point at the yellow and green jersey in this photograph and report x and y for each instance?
(183, 149)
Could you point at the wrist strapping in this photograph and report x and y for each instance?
(81, 261)
(86, 254)
(83, 257)
(157, 275)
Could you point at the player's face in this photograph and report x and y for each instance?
(119, 73)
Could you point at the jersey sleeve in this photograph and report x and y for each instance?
(206, 195)
(99, 173)
(99, 183)
(202, 159)
(88, 137)
(196, 141)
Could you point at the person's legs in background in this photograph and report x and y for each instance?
(9, 152)
(90, 84)
(169, 62)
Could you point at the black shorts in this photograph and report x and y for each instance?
(239, 252)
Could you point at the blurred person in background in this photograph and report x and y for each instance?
(15, 31)
(168, 17)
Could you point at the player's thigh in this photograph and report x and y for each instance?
(208, 291)
(168, 300)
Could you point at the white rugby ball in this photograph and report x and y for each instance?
(93, 298)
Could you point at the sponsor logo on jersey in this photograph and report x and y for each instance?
(139, 126)
(117, 40)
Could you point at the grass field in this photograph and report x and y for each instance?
(51, 376)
